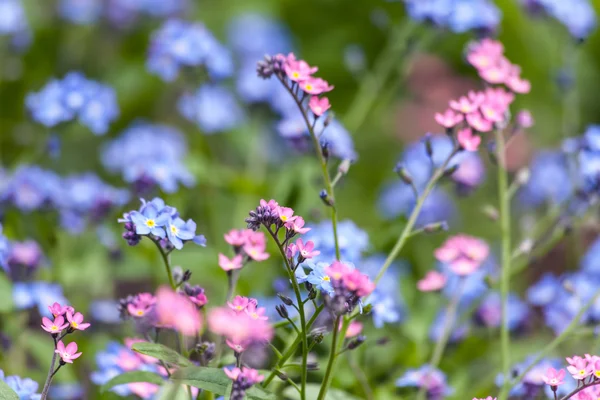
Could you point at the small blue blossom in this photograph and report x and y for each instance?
(80, 12)
(13, 22)
(456, 15)
(150, 221)
(4, 250)
(213, 108)
(544, 291)
(458, 331)
(319, 278)
(431, 379)
(253, 35)
(31, 188)
(179, 230)
(41, 294)
(550, 180)
(148, 155)
(25, 388)
(66, 391)
(386, 299)
(353, 241)
(105, 311)
(578, 16)
(179, 44)
(489, 312)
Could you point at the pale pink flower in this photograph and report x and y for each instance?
(580, 368)
(250, 375)
(485, 53)
(141, 304)
(499, 96)
(319, 106)
(237, 347)
(68, 353)
(525, 119)
(257, 253)
(144, 390)
(518, 85)
(298, 70)
(449, 118)
(467, 140)
(291, 250)
(337, 270)
(477, 122)
(285, 214)
(307, 250)
(553, 377)
(315, 86)
(463, 105)
(493, 112)
(76, 321)
(229, 264)
(497, 73)
(432, 281)
(271, 204)
(463, 254)
(297, 225)
(239, 303)
(357, 282)
(127, 360)
(177, 311)
(54, 327)
(235, 237)
(354, 329)
(256, 312)
(239, 327)
(56, 309)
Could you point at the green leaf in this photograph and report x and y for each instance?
(171, 391)
(6, 299)
(161, 352)
(133, 376)
(6, 393)
(312, 392)
(214, 380)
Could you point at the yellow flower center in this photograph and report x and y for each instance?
(140, 313)
(296, 75)
(582, 372)
(326, 278)
(54, 328)
(74, 324)
(284, 218)
(150, 223)
(254, 315)
(240, 308)
(174, 229)
(308, 87)
(597, 373)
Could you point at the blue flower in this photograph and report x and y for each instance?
(544, 291)
(459, 329)
(550, 180)
(105, 311)
(81, 12)
(532, 384)
(431, 379)
(179, 230)
(25, 388)
(489, 312)
(457, 15)
(212, 107)
(319, 278)
(31, 188)
(40, 294)
(47, 106)
(577, 15)
(100, 109)
(150, 220)
(66, 391)
(353, 241)
(13, 22)
(4, 250)
(253, 35)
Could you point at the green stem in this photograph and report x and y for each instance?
(574, 324)
(165, 258)
(336, 342)
(361, 377)
(50, 374)
(504, 216)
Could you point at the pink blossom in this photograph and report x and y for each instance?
(239, 327)
(354, 329)
(298, 70)
(467, 140)
(499, 96)
(432, 281)
(76, 321)
(524, 119)
(315, 86)
(337, 270)
(497, 73)
(463, 105)
(297, 225)
(357, 282)
(128, 360)
(250, 375)
(239, 303)
(579, 368)
(228, 264)
(271, 204)
(236, 237)
(477, 122)
(493, 112)
(319, 106)
(199, 299)
(464, 254)
(291, 250)
(256, 253)
(54, 327)
(56, 309)
(237, 347)
(285, 214)
(307, 250)
(256, 312)
(141, 304)
(518, 85)
(68, 353)
(485, 53)
(553, 377)
(144, 390)
(177, 311)
(449, 118)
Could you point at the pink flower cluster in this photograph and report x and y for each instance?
(74, 320)
(141, 304)
(242, 323)
(304, 250)
(175, 310)
(249, 375)
(300, 75)
(352, 280)
(247, 245)
(462, 254)
(585, 370)
(481, 111)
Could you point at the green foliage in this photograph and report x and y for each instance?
(6, 393)
(161, 352)
(131, 377)
(312, 391)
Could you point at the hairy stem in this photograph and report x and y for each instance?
(336, 344)
(50, 373)
(167, 263)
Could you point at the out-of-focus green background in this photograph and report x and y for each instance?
(232, 174)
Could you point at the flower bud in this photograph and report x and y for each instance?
(282, 311)
(403, 174)
(344, 166)
(312, 294)
(367, 309)
(286, 300)
(450, 171)
(282, 375)
(428, 145)
(436, 227)
(360, 339)
(325, 197)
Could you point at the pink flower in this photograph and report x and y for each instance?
(285, 214)
(237, 347)
(464, 254)
(141, 304)
(256, 312)
(319, 106)
(449, 118)
(56, 309)
(239, 304)
(579, 368)
(257, 253)
(128, 360)
(337, 270)
(271, 204)
(198, 299)
(76, 321)
(498, 73)
(298, 70)
(499, 96)
(467, 140)
(553, 377)
(477, 122)
(315, 86)
(291, 250)
(357, 282)
(230, 264)
(144, 390)
(432, 281)
(297, 225)
(518, 85)
(354, 329)
(463, 105)
(493, 112)
(307, 250)
(67, 354)
(235, 237)
(250, 375)
(177, 311)
(524, 119)
(239, 327)
(54, 327)
(233, 373)
(485, 53)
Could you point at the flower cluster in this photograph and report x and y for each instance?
(145, 166)
(65, 318)
(349, 286)
(178, 44)
(75, 96)
(247, 245)
(577, 15)
(243, 379)
(458, 16)
(159, 222)
(38, 293)
(432, 380)
(212, 107)
(25, 388)
(533, 384)
(584, 370)
(242, 323)
(14, 23)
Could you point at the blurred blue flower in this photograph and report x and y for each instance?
(386, 299)
(59, 101)
(544, 291)
(66, 391)
(25, 388)
(456, 15)
(25, 257)
(81, 12)
(30, 188)
(41, 294)
(532, 384)
(253, 35)
(212, 107)
(4, 250)
(550, 181)
(489, 312)
(105, 311)
(141, 164)
(353, 241)
(459, 329)
(578, 16)
(432, 379)
(13, 22)
(354, 58)
(179, 44)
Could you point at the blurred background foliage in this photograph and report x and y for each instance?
(233, 173)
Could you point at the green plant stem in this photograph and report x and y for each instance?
(504, 219)
(50, 374)
(361, 377)
(449, 322)
(165, 258)
(406, 232)
(336, 345)
(292, 349)
(557, 341)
